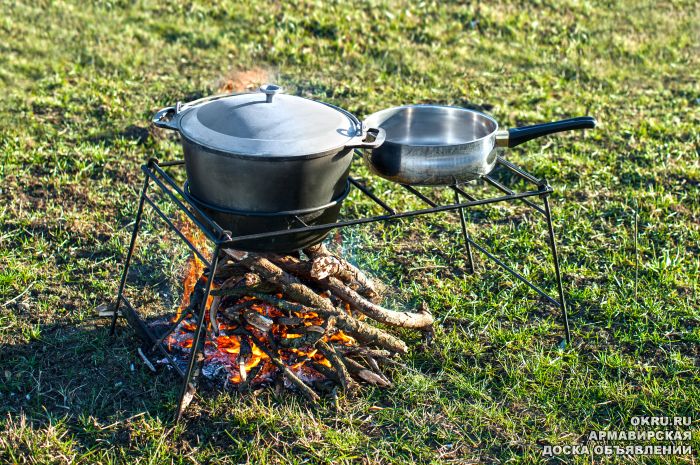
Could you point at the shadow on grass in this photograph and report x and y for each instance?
(135, 133)
(96, 389)
(80, 372)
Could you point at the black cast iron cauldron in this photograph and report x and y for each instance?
(244, 223)
(251, 156)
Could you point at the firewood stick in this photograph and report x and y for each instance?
(228, 270)
(382, 355)
(360, 330)
(233, 313)
(372, 362)
(231, 281)
(308, 338)
(416, 320)
(291, 286)
(213, 311)
(145, 360)
(262, 287)
(323, 266)
(288, 320)
(257, 320)
(324, 370)
(375, 366)
(305, 390)
(421, 319)
(318, 250)
(346, 382)
(363, 351)
(364, 374)
(328, 265)
(348, 272)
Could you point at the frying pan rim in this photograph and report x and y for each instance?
(366, 122)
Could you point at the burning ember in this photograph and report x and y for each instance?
(273, 319)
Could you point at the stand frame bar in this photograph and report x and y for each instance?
(221, 238)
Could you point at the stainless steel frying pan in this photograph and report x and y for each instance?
(441, 145)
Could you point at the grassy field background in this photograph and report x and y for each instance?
(80, 81)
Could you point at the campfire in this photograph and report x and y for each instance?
(303, 321)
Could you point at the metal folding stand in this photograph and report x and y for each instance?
(221, 239)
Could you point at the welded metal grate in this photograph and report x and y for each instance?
(156, 173)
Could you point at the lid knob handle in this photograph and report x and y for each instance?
(270, 90)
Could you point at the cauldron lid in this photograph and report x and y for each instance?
(267, 123)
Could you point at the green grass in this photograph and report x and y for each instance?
(79, 84)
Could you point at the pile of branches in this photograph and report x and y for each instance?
(319, 283)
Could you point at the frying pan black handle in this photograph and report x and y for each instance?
(517, 136)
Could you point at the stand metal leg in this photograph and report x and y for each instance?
(194, 366)
(465, 236)
(555, 258)
(197, 355)
(134, 233)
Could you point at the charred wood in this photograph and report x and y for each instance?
(364, 374)
(296, 290)
(360, 330)
(346, 382)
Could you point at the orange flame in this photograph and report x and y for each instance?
(194, 266)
